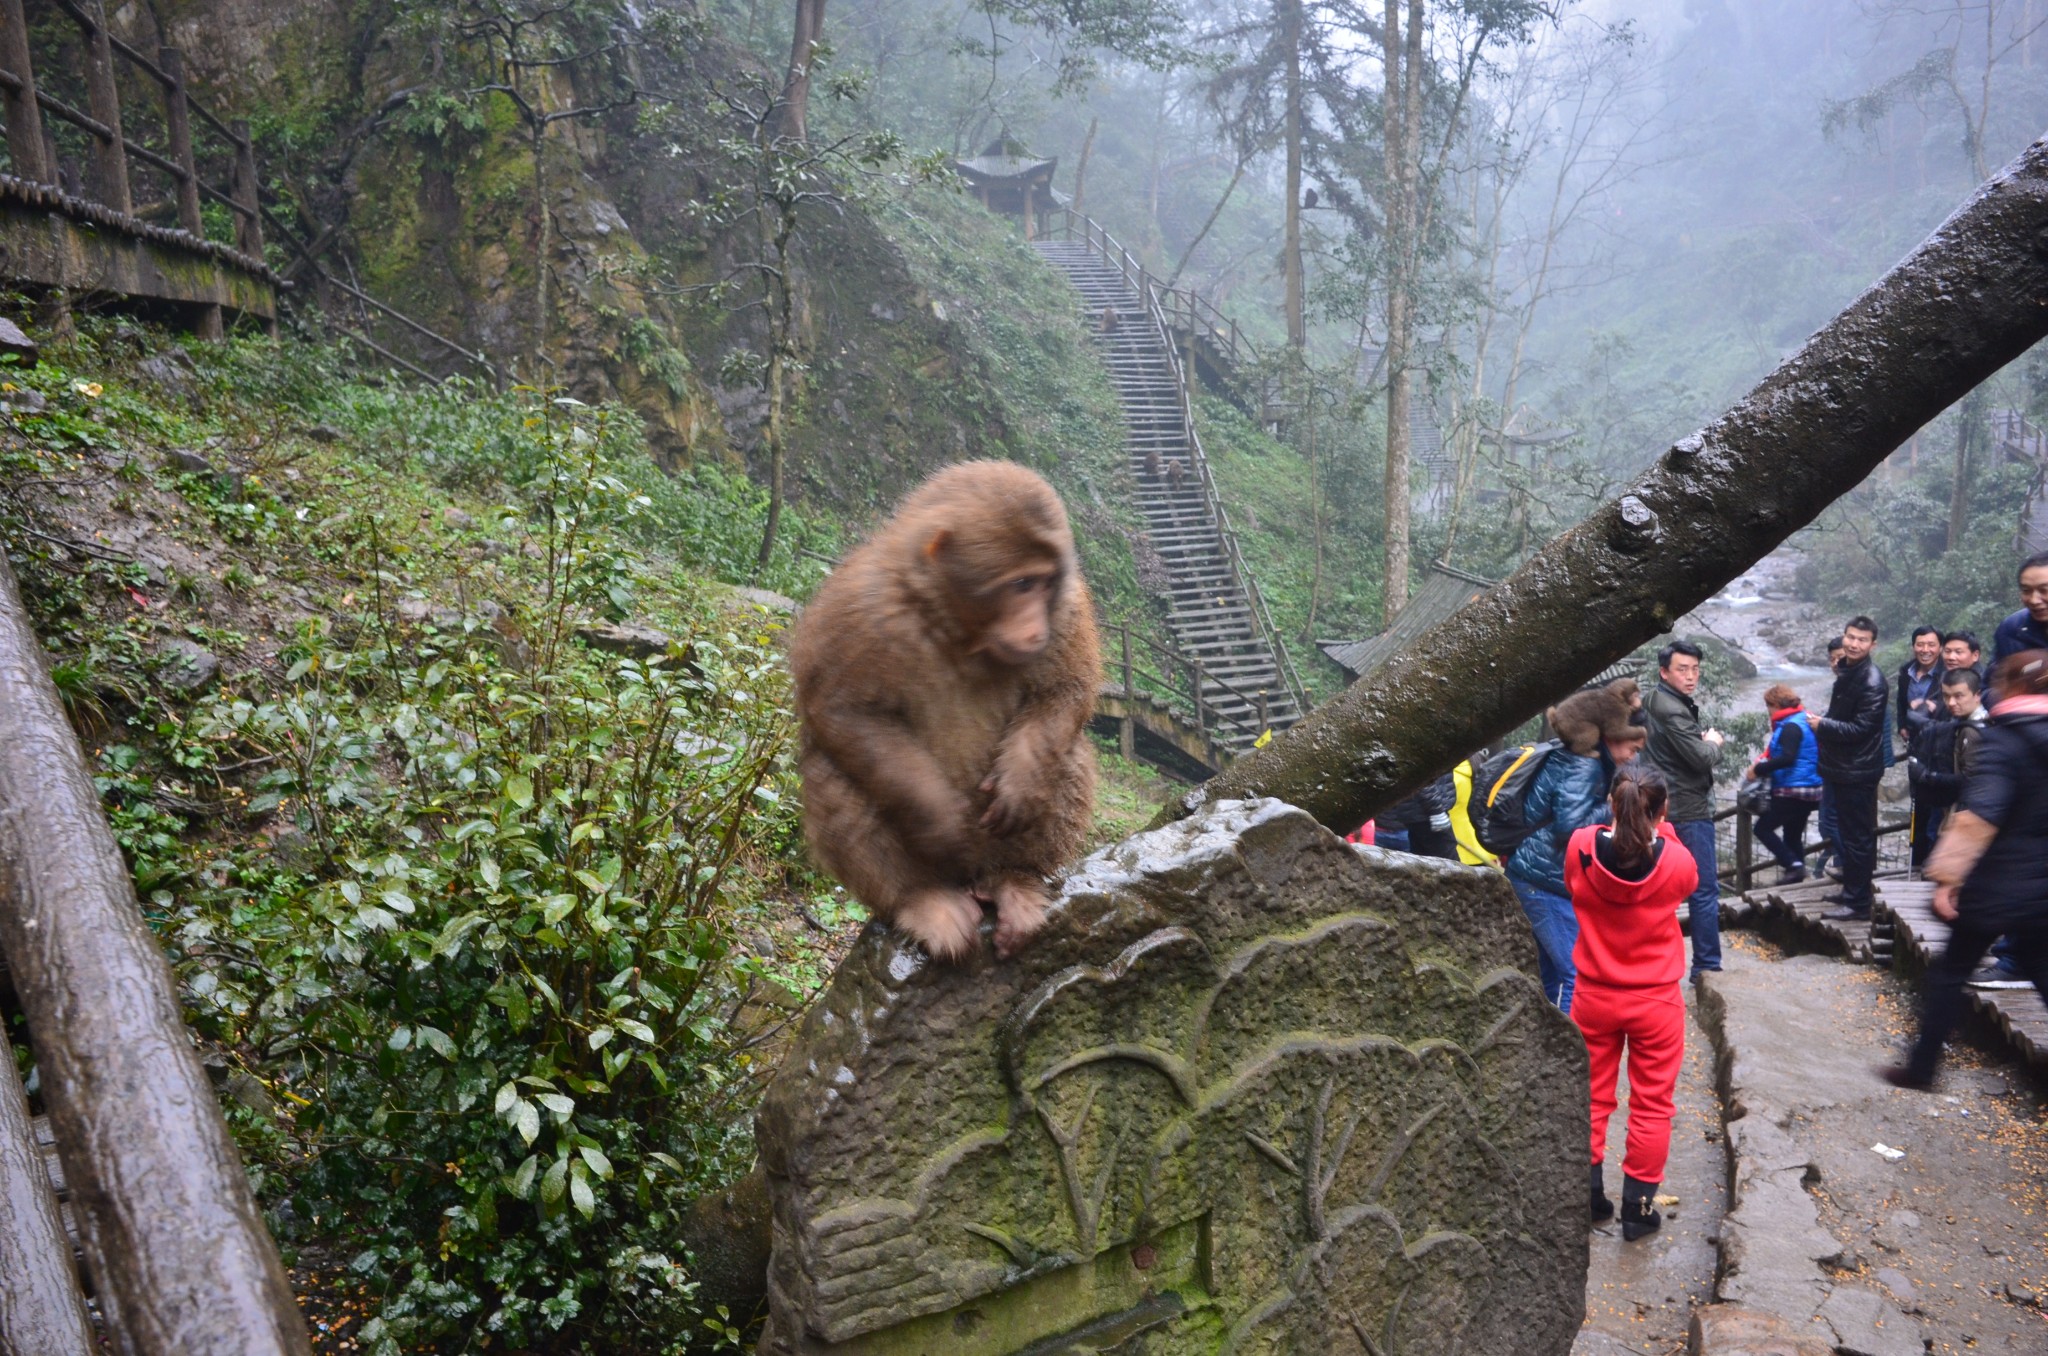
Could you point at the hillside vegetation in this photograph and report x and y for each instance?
(460, 792)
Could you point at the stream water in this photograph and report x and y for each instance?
(1760, 616)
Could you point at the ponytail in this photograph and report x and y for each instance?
(1638, 799)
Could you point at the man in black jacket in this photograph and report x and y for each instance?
(1685, 754)
(1919, 691)
(1851, 737)
(1941, 758)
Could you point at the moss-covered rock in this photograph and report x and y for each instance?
(1253, 1089)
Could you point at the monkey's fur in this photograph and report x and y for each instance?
(938, 773)
(1585, 718)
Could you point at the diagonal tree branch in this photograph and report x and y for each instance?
(1960, 307)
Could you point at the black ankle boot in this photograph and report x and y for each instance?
(1638, 1215)
(1603, 1208)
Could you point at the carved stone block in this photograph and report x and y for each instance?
(1252, 1090)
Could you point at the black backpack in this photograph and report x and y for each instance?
(1500, 796)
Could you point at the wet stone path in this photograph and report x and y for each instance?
(1640, 1295)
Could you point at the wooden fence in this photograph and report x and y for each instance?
(189, 131)
(1158, 688)
(176, 1257)
(1739, 863)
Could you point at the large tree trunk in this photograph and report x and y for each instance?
(1960, 307)
(807, 29)
(1971, 433)
(1401, 218)
(1290, 248)
(173, 1238)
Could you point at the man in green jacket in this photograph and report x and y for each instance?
(1686, 755)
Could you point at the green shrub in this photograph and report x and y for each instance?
(496, 985)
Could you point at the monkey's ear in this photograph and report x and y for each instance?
(940, 540)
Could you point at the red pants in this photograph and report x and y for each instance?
(1651, 1021)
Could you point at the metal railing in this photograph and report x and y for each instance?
(1736, 847)
(1073, 226)
(1177, 683)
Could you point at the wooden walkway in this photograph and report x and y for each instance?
(1901, 933)
(1795, 912)
(1214, 614)
(2018, 1015)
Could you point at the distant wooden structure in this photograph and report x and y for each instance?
(93, 231)
(52, 237)
(1444, 590)
(1011, 181)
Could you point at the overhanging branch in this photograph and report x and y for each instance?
(1972, 298)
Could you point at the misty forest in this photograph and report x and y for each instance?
(423, 422)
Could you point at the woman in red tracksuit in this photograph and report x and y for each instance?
(1627, 880)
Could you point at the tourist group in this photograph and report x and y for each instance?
(1606, 833)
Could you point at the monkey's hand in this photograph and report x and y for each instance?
(1016, 796)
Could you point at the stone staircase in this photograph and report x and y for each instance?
(1215, 617)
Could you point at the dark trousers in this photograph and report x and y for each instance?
(1928, 817)
(1829, 833)
(1782, 829)
(1856, 829)
(1943, 1006)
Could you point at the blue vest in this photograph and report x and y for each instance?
(1806, 771)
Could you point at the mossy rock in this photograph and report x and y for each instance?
(1253, 1089)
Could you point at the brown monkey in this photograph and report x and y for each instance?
(1109, 320)
(1176, 472)
(1153, 469)
(945, 674)
(1587, 717)
(1629, 692)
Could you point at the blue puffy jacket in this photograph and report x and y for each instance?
(1570, 792)
(1804, 768)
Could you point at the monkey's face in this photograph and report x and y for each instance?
(1019, 612)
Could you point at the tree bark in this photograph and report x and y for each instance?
(42, 1310)
(807, 29)
(1971, 433)
(171, 1230)
(1955, 311)
(1290, 249)
(1400, 215)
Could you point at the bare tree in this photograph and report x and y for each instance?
(1975, 43)
(772, 183)
(1385, 155)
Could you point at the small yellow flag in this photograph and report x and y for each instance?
(1265, 738)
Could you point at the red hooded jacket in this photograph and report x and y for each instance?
(1628, 929)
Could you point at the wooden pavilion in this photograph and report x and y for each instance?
(1010, 180)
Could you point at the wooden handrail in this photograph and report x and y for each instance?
(242, 197)
(1742, 871)
(172, 1234)
(1207, 713)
